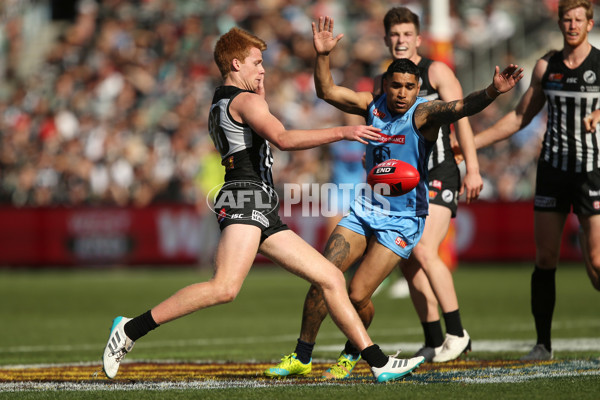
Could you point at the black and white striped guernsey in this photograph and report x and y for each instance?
(244, 154)
(442, 150)
(571, 94)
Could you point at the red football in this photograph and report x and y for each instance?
(399, 175)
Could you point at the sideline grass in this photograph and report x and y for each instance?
(543, 389)
(60, 316)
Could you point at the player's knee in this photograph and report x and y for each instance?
(334, 281)
(338, 278)
(546, 259)
(359, 301)
(360, 296)
(425, 255)
(226, 294)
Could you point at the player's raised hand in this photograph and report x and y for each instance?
(507, 79)
(361, 133)
(323, 39)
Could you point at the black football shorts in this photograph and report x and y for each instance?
(444, 184)
(249, 203)
(558, 191)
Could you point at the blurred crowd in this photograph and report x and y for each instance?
(108, 105)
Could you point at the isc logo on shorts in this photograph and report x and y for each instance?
(544, 201)
(400, 242)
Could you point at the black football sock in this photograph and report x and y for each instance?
(453, 323)
(374, 356)
(351, 349)
(543, 298)
(304, 351)
(434, 337)
(139, 326)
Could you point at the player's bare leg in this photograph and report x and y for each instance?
(438, 288)
(343, 248)
(378, 263)
(235, 255)
(426, 253)
(295, 255)
(589, 238)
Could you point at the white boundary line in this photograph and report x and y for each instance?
(494, 346)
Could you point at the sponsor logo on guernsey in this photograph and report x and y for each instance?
(553, 86)
(555, 77)
(572, 79)
(436, 184)
(378, 114)
(395, 139)
(589, 76)
(545, 201)
(400, 242)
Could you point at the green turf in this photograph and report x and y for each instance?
(559, 389)
(54, 316)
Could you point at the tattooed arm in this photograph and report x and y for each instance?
(431, 115)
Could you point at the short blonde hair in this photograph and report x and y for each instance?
(235, 44)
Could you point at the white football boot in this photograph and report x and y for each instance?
(453, 347)
(117, 347)
(396, 368)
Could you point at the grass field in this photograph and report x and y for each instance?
(55, 324)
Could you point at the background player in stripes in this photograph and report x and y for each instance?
(568, 172)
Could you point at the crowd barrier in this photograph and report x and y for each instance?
(178, 235)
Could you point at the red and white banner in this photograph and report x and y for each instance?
(176, 234)
(492, 231)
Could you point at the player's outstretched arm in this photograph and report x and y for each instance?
(340, 97)
(253, 110)
(431, 115)
(529, 105)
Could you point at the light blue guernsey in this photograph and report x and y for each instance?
(401, 140)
